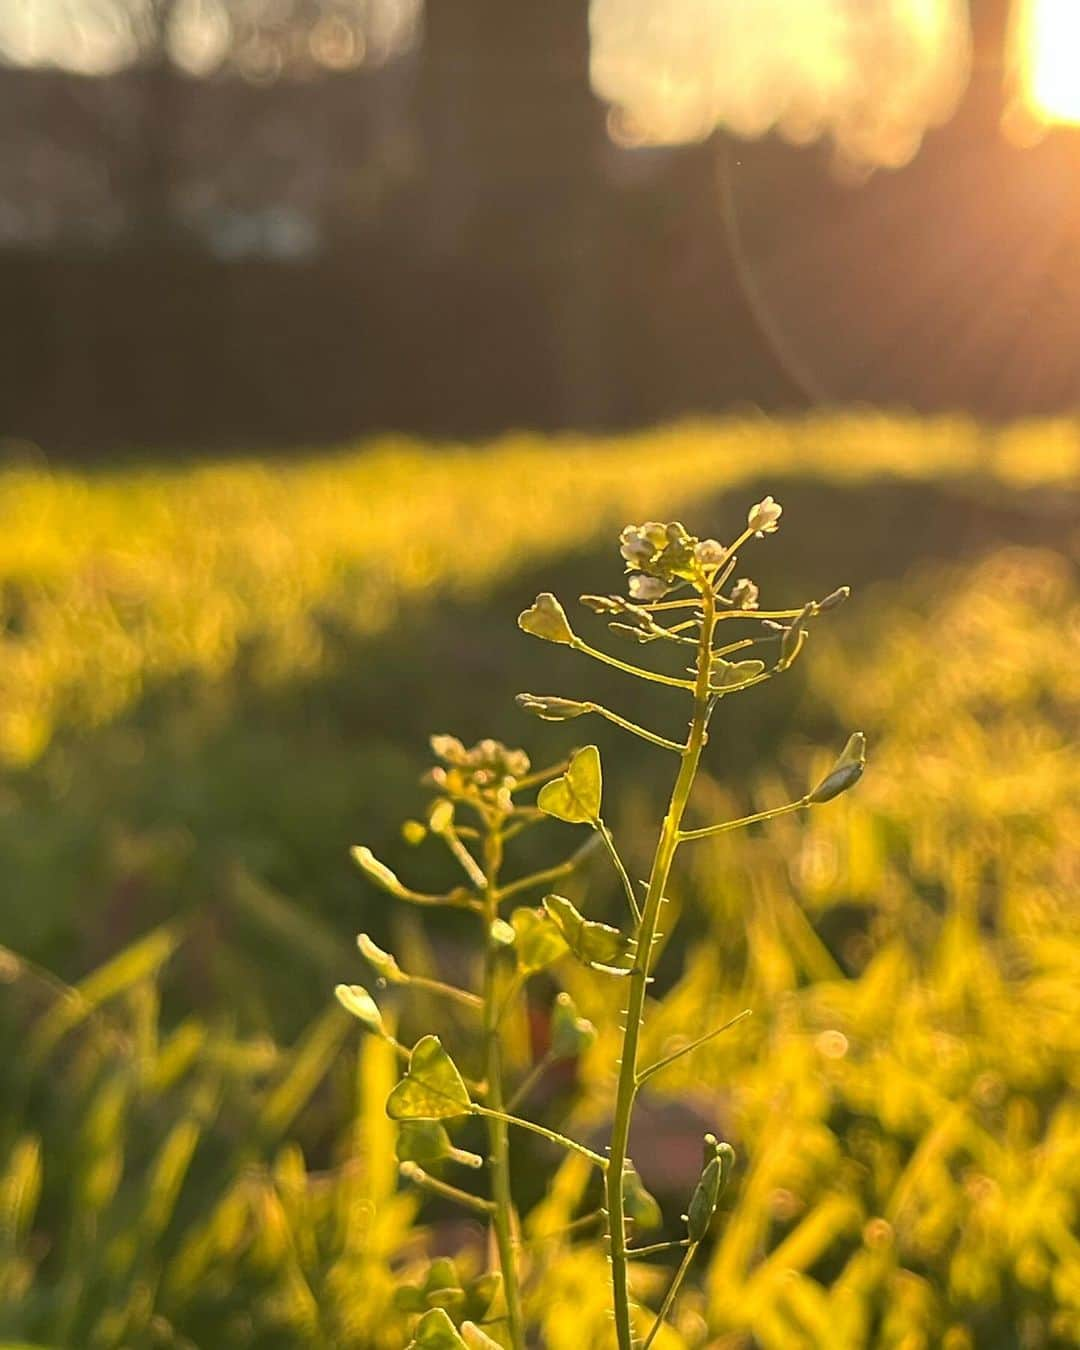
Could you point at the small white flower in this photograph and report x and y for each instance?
(765, 516)
(647, 588)
(640, 543)
(710, 552)
(635, 548)
(744, 594)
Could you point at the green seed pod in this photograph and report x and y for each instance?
(638, 1204)
(354, 998)
(571, 1034)
(719, 1160)
(426, 1142)
(703, 1202)
(545, 618)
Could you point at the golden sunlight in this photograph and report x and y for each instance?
(1050, 56)
(872, 78)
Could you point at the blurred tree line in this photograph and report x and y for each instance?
(369, 216)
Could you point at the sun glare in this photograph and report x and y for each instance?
(1052, 56)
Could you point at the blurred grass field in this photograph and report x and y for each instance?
(213, 680)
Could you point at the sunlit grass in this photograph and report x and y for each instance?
(903, 1101)
(110, 582)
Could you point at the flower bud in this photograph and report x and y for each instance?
(378, 872)
(764, 516)
(550, 708)
(631, 631)
(383, 963)
(441, 816)
(834, 599)
(413, 832)
(647, 588)
(791, 643)
(603, 604)
(545, 618)
(845, 773)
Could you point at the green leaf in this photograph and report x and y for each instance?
(382, 963)
(539, 941)
(589, 941)
(638, 1204)
(435, 1331)
(571, 1034)
(432, 1088)
(845, 773)
(575, 795)
(545, 618)
(354, 998)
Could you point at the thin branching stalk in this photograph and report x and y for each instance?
(639, 978)
(503, 1217)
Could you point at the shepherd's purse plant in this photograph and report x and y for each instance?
(680, 594)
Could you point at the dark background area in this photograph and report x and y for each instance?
(450, 244)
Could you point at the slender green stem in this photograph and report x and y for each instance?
(503, 1219)
(658, 1247)
(539, 776)
(549, 874)
(633, 727)
(531, 1079)
(724, 826)
(739, 646)
(659, 633)
(760, 614)
(652, 675)
(524, 820)
(564, 1141)
(469, 865)
(672, 604)
(628, 885)
(626, 1092)
(646, 1074)
(462, 996)
(416, 1174)
(669, 1297)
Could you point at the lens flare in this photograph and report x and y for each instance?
(1050, 47)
